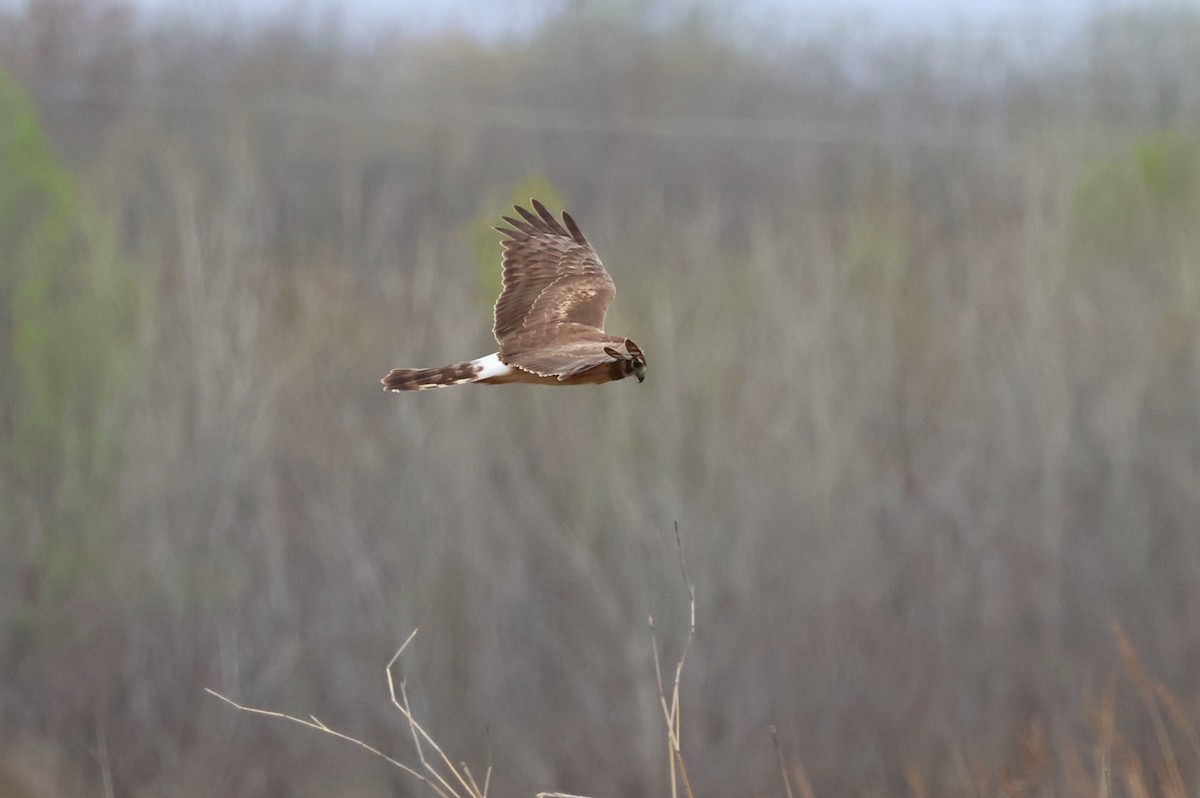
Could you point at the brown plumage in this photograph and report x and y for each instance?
(549, 319)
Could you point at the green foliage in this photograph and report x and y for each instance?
(882, 269)
(1140, 210)
(66, 322)
(1148, 198)
(878, 244)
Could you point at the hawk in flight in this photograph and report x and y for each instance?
(549, 319)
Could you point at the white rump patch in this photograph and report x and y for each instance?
(491, 366)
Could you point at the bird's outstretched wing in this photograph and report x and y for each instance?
(551, 276)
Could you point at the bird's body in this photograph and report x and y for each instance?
(549, 319)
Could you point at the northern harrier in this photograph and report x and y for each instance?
(549, 319)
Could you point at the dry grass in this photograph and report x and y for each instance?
(1118, 767)
(1109, 757)
(428, 773)
(672, 710)
(448, 780)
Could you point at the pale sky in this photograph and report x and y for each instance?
(490, 17)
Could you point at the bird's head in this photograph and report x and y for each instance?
(632, 358)
(639, 362)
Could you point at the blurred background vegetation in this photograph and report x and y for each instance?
(923, 320)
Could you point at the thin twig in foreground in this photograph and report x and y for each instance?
(671, 712)
(438, 784)
(787, 781)
(419, 733)
(321, 727)
(433, 778)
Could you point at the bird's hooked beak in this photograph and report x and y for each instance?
(635, 363)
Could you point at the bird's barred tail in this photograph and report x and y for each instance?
(421, 379)
(489, 368)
